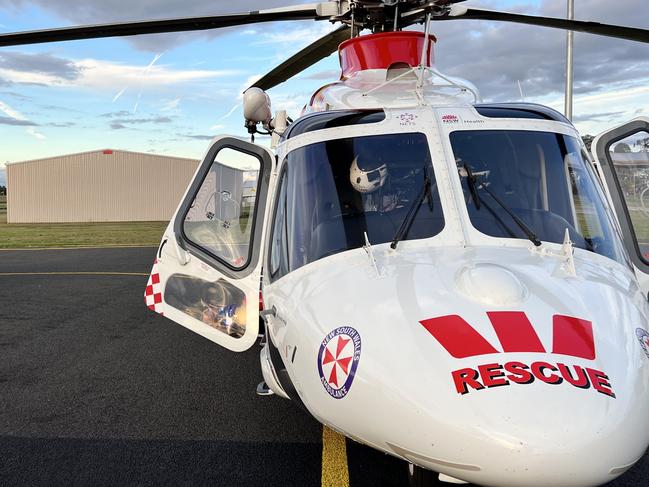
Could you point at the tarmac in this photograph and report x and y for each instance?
(95, 389)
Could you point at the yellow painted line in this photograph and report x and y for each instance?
(334, 459)
(77, 248)
(73, 274)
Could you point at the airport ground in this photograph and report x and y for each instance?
(95, 389)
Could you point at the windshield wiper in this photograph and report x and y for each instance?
(412, 211)
(473, 188)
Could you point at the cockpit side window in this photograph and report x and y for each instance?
(334, 193)
(278, 265)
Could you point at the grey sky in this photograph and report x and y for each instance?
(95, 12)
(41, 63)
(495, 56)
(143, 120)
(14, 121)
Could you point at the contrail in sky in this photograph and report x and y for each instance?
(144, 73)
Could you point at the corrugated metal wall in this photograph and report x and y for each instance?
(97, 186)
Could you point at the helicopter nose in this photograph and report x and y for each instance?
(523, 420)
(488, 365)
(588, 458)
(570, 411)
(534, 398)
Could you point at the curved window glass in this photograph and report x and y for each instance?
(334, 193)
(540, 177)
(220, 218)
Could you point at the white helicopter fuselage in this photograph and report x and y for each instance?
(520, 420)
(489, 357)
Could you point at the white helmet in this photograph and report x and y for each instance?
(368, 179)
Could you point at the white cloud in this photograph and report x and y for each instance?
(628, 102)
(291, 102)
(10, 112)
(103, 74)
(293, 37)
(171, 105)
(35, 133)
(95, 73)
(246, 84)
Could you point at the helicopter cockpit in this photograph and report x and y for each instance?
(323, 207)
(344, 193)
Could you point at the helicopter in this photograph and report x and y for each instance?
(455, 283)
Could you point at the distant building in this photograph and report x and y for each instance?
(98, 186)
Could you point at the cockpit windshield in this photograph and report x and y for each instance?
(540, 177)
(334, 193)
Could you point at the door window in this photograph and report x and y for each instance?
(630, 161)
(219, 304)
(221, 216)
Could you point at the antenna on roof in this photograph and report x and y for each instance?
(569, 63)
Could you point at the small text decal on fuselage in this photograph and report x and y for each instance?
(449, 118)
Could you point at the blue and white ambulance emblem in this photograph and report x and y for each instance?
(338, 359)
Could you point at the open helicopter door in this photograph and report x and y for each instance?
(207, 272)
(622, 154)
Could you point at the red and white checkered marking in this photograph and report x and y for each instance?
(153, 291)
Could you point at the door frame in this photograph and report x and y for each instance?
(600, 149)
(266, 166)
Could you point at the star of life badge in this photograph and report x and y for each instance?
(643, 338)
(338, 358)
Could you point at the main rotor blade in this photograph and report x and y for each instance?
(300, 12)
(304, 59)
(620, 32)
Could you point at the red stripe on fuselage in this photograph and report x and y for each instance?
(457, 336)
(515, 332)
(573, 336)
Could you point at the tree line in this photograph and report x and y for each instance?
(641, 144)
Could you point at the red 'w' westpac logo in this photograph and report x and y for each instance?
(571, 336)
(450, 119)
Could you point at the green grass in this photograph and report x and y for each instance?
(639, 217)
(37, 235)
(3, 209)
(641, 225)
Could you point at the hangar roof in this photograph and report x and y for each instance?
(102, 152)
